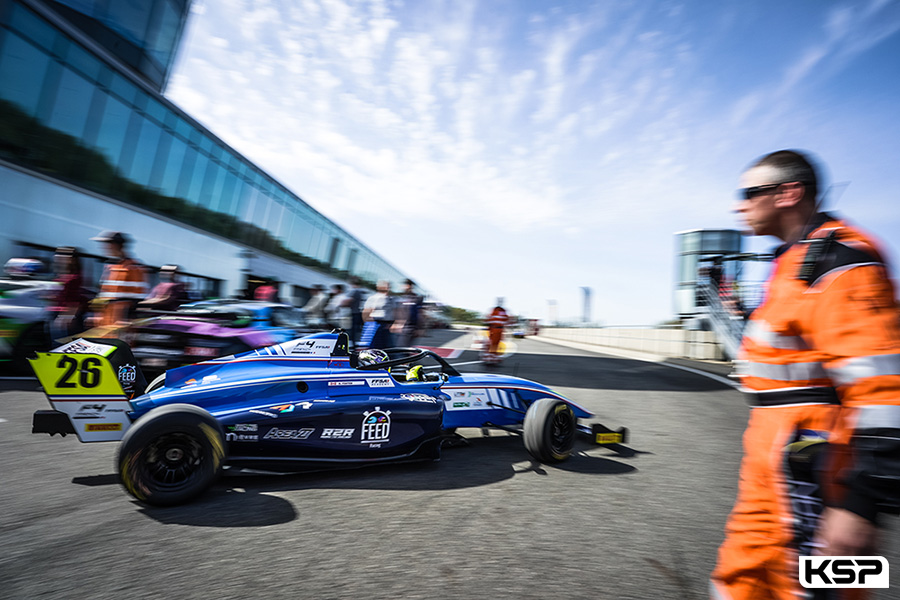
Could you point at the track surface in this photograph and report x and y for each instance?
(483, 522)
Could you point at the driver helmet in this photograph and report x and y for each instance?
(372, 356)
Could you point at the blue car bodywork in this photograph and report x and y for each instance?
(310, 403)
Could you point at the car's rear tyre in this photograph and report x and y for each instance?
(171, 455)
(549, 430)
(158, 382)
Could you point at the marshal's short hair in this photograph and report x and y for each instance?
(793, 165)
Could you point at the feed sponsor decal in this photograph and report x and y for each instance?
(376, 426)
(127, 376)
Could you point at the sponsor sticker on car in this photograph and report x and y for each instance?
(468, 399)
(337, 434)
(376, 426)
(81, 346)
(380, 382)
(103, 427)
(277, 433)
(419, 398)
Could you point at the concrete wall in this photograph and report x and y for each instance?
(682, 343)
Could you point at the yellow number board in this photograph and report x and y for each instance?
(76, 375)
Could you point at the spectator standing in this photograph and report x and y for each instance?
(267, 292)
(122, 285)
(408, 316)
(168, 294)
(378, 316)
(337, 311)
(70, 304)
(354, 303)
(314, 309)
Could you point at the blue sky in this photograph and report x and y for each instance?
(525, 149)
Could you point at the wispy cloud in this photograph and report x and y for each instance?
(526, 123)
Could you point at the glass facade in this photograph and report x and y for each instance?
(69, 115)
(144, 34)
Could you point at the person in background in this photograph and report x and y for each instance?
(354, 303)
(169, 293)
(267, 292)
(378, 316)
(122, 285)
(408, 317)
(337, 311)
(496, 321)
(69, 305)
(820, 362)
(314, 309)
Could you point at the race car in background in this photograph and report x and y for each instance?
(305, 404)
(26, 296)
(210, 329)
(24, 318)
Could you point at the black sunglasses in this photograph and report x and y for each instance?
(752, 192)
(749, 193)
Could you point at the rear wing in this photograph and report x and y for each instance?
(89, 383)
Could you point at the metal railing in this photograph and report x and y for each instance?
(727, 323)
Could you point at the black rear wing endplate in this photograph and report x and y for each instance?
(52, 422)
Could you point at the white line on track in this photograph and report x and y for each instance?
(2, 420)
(707, 374)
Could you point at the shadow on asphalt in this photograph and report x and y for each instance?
(226, 508)
(243, 500)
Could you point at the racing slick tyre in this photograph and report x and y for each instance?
(549, 430)
(158, 382)
(171, 455)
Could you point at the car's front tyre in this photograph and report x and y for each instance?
(171, 455)
(549, 430)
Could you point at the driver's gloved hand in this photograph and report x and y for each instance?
(415, 374)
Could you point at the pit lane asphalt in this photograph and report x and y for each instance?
(483, 522)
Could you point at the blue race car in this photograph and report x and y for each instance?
(306, 403)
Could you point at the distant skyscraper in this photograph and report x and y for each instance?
(586, 311)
